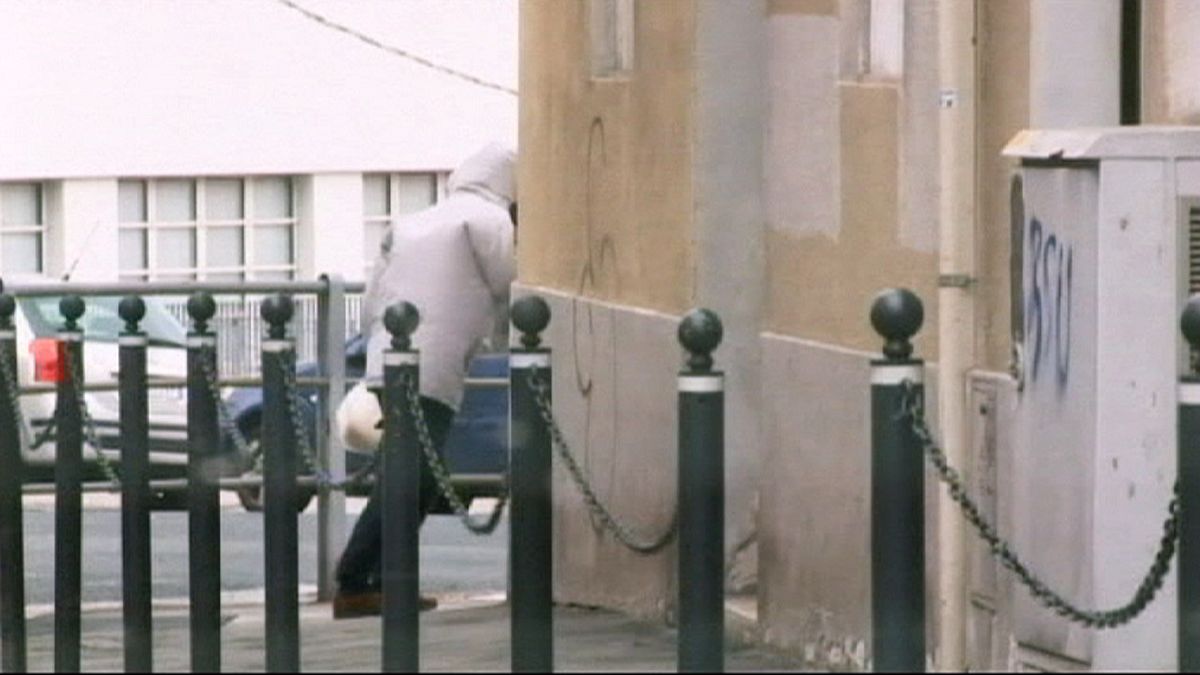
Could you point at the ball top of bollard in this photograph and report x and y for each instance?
(531, 315)
(700, 333)
(132, 310)
(201, 307)
(1189, 322)
(277, 311)
(401, 320)
(8, 307)
(71, 307)
(897, 315)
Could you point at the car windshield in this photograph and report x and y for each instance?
(102, 323)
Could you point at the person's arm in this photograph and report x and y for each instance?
(492, 244)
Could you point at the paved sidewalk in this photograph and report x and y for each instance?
(470, 634)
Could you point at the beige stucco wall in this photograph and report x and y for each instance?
(850, 207)
(1170, 62)
(605, 170)
(820, 287)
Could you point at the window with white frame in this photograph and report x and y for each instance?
(388, 196)
(22, 228)
(219, 229)
(886, 39)
(872, 40)
(611, 25)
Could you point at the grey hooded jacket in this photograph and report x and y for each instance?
(455, 262)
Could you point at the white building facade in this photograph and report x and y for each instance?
(237, 139)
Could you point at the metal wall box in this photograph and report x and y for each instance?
(1105, 250)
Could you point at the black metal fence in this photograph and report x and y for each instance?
(405, 446)
(901, 444)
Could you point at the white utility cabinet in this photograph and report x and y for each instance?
(1106, 248)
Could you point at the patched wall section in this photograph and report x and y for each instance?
(615, 398)
(814, 547)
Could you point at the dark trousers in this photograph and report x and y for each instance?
(358, 570)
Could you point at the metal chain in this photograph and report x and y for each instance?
(607, 521)
(440, 473)
(913, 408)
(14, 392)
(224, 418)
(324, 479)
(89, 424)
(299, 428)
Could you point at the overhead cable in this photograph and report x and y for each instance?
(396, 51)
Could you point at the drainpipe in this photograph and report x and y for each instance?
(956, 306)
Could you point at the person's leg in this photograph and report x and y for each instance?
(358, 569)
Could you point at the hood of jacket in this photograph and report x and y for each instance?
(490, 172)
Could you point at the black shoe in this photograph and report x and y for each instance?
(353, 605)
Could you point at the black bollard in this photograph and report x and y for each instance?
(204, 506)
(136, 588)
(281, 550)
(400, 496)
(12, 546)
(701, 498)
(68, 489)
(1189, 496)
(530, 557)
(897, 491)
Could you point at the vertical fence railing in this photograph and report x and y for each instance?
(400, 496)
(68, 489)
(12, 538)
(897, 491)
(280, 495)
(136, 587)
(1189, 496)
(204, 507)
(701, 498)
(239, 328)
(331, 504)
(531, 556)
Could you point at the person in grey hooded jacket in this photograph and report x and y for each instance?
(455, 262)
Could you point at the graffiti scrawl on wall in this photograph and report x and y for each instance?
(1049, 262)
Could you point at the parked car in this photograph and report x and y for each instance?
(38, 322)
(476, 450)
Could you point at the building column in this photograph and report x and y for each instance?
(329, 232)
(730, 233)
(81, 230)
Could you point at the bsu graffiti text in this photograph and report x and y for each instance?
(1049, 262)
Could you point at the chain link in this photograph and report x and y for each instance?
(89, 424)
(212, 380)
(207, 358)
(440, 473)
(597, 509)
(912, 408)
(12, 387)
(12, 384)
(325, 480)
